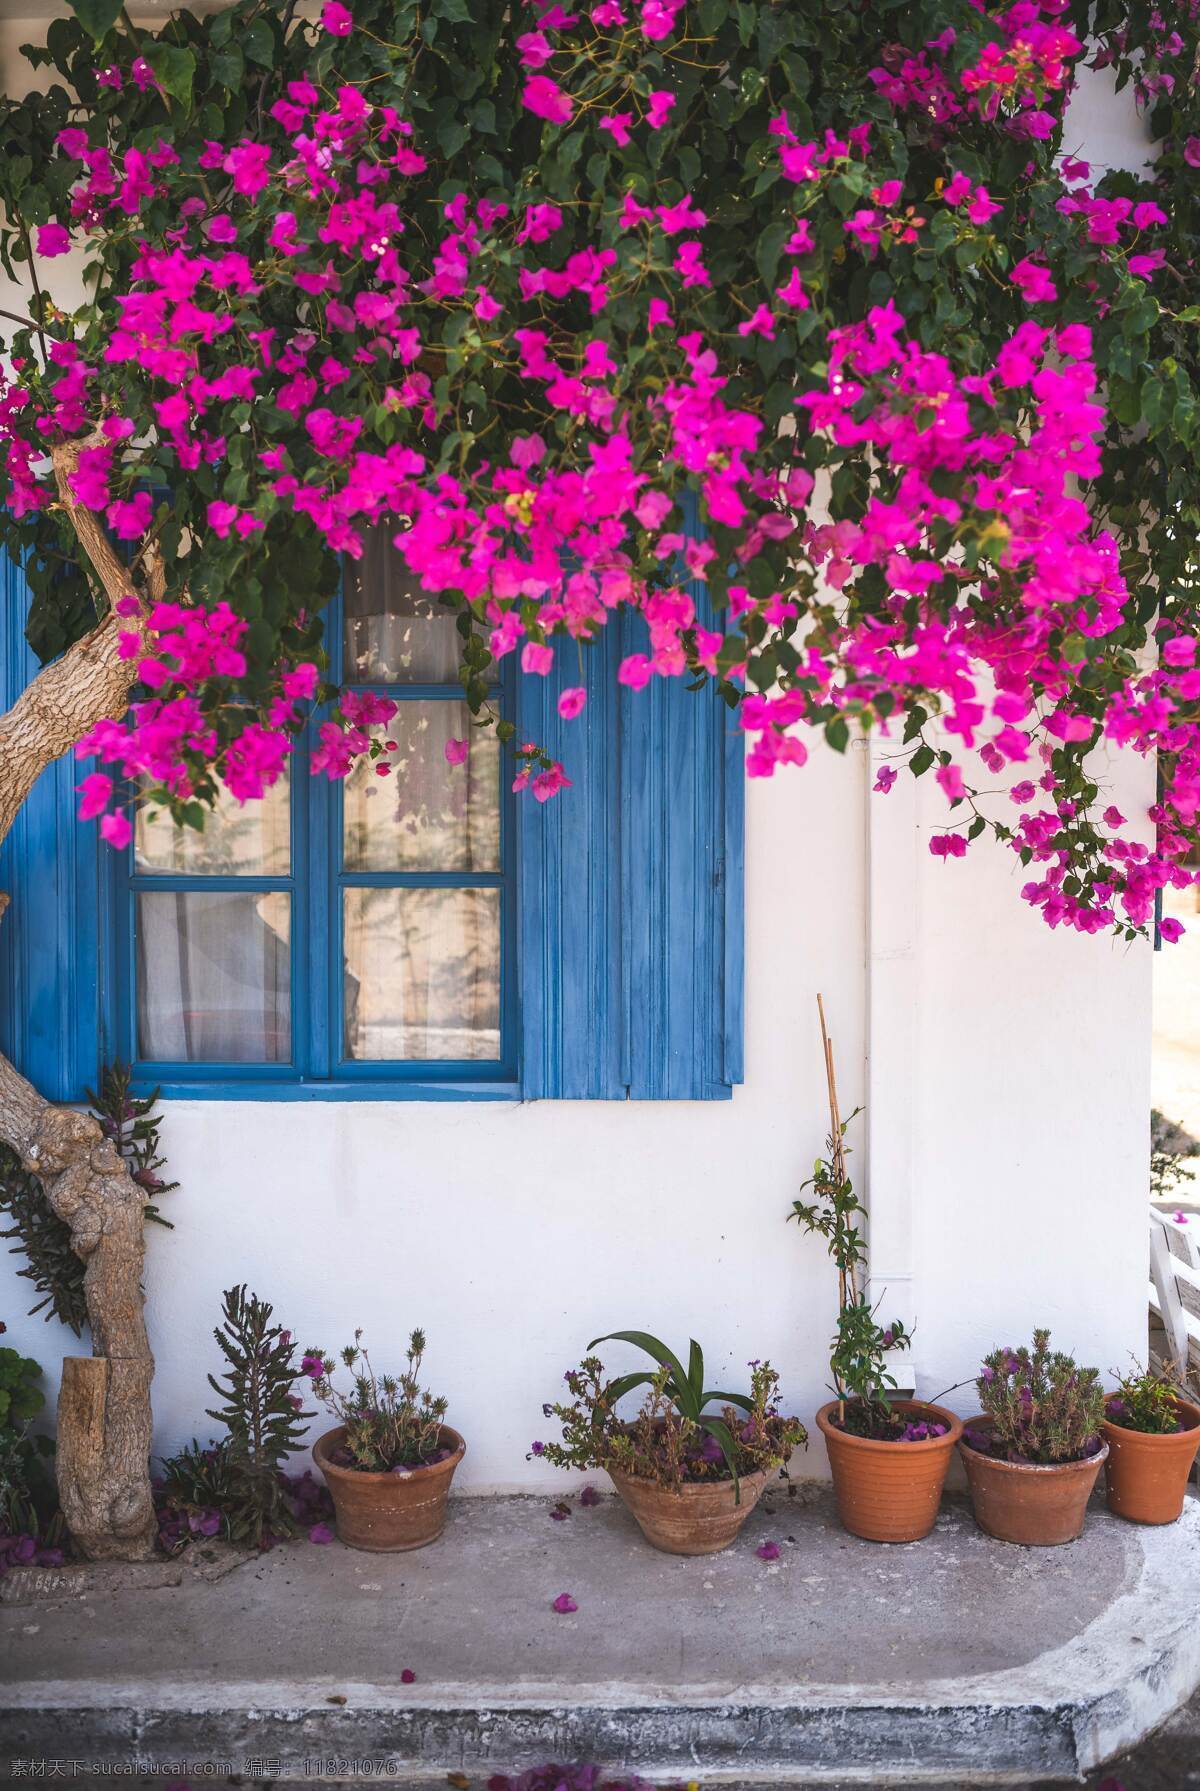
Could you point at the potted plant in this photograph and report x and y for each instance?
(389, 1462)
(1033, 1455)
(888, 1456)
(1153, 1434)
(690, 1475)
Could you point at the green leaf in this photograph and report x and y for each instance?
(228, 67)
(738, 1399)
(96, 16)
(258, 43)
(696, 1372)
(644, 1341)
(770, 245)
(625, 1383)
(175, 69)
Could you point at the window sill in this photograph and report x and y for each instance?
(262, 1089)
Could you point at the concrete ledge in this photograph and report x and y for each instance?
(957, 1660)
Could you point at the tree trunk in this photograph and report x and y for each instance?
(104, 1418)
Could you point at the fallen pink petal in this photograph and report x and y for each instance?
(564, 1604)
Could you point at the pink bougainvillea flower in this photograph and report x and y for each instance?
(571, 702)
(337, 19)
(759, 323)
(115, 830)
(408, 1677)
(1033, 281)
(301, 681)
(617, 125)
(950, 779)
(683, 215)
(546, 99)
(564, 1604)
(589, 1496)
(536, 658)
(792, 291)
(767, 1551)
(96, 791)
(948, 845)
(1171, 929)
(320, 1533)
(548, 783)
(457, 751)
(53, 239)
(130, 519)
(560, 1512)
(658, 18)
(885, 779)
(661, 101)
(535, 48)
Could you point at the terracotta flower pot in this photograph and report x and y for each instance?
(388, 1512)
(889, 1492)
(1148, 1475)
(1037, 1504)
(697, 1520)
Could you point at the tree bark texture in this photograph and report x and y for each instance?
(104, 1417)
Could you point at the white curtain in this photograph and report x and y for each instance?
(213, 976)
(395, 632)
(422, 974)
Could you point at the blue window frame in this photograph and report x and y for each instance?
(615, 948)
(342, 927)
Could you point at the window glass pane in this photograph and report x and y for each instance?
(428, 815)
(213, 976)
(394, 632)
(422, 969)
(250, 837)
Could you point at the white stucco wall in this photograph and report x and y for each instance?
(514, 1234)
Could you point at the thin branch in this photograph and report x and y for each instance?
(39, 296)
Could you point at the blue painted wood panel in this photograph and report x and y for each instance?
(632, 886)
(48, 937)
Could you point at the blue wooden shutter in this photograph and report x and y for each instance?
(48, 936)
(631, 887)
(571, 978)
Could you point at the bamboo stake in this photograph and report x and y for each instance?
(837, 1160)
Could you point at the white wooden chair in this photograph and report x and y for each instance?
(1175, 1291)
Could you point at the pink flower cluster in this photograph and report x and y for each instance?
(990, 581)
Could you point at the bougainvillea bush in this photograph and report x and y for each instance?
(802, 331)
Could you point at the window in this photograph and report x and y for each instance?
(425, 935)
(341, 932)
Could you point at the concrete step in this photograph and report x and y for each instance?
(954, 1661)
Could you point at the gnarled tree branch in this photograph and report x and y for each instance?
(104, 1431)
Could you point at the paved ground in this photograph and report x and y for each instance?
(957, 1654)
